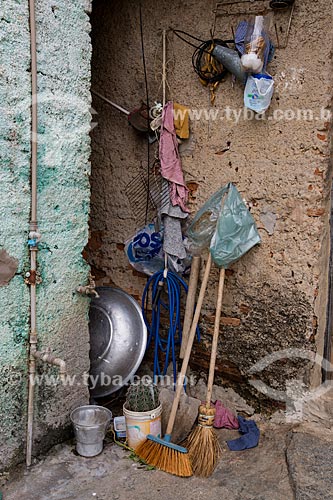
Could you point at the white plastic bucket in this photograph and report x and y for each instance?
(139, 424)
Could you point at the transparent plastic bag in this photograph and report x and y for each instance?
(256, 41)
(225, 225)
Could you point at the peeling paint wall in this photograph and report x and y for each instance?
(63, 204)
(275, 296)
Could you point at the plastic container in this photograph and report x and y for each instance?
(90, 424)
(258, 92)
(119, 425)
(139, 424)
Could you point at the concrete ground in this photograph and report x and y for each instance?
(291, 462)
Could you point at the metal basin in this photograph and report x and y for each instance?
(118, 338)
(90, 424)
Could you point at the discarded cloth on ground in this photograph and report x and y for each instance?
(250, 435)
(224, 418)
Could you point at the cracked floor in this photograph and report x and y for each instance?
(291, 462)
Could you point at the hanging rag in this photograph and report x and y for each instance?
(224, 418)
(250, 435)
(173, 237)
(181, 120)
(171, 168)
(172, 217)
(240, 43)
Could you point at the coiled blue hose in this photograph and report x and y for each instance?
(174, 285)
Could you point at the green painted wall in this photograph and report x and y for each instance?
(63, 204)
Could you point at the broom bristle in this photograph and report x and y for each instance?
(165, 458)
(204, 450)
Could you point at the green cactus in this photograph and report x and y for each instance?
(142, 396)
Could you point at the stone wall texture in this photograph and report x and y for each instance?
(275, 297)
(63, 205)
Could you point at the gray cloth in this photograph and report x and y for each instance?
(173, 238)
(172, 218)
(166, 206)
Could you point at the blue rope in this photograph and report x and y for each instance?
(174, 285)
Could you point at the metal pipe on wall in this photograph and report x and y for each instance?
(33, 229)
(34, 237)
(47, 357)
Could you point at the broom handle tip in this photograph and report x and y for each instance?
(181, 377)
(215, 338)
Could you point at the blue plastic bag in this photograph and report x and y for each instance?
(144, 250)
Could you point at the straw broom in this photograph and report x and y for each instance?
(162, 453)
(202, 443)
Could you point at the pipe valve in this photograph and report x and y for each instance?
(89, 289)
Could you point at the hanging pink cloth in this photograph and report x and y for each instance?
(171, 167)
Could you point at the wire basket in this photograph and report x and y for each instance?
(146, 194)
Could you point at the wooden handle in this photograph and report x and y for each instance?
(181, 377)
(215, 338)
(190, 302)
(164, 69)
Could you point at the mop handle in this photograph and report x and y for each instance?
(190, 302)
(215, 338)
(181, 377)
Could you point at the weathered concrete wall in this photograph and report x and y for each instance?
(63, 204)
(277, 292)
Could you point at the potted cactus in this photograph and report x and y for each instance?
(142, 411)
(142, 396)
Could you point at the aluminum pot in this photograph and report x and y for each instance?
(118, 338)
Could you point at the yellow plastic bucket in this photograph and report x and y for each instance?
(139, 424)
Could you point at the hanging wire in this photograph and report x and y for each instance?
(148, 107)
(199, 57)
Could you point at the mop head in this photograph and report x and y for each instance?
(166, 456)
(203, 446)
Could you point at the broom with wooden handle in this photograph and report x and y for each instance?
(202, 443)
(190, 302)
(162, 453)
